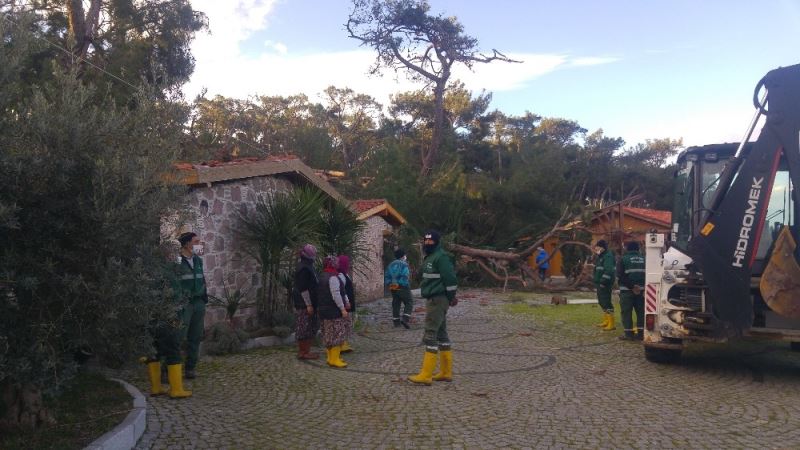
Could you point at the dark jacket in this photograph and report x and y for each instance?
(350, 291)
(630, 270)
(191, 282)
(305, 279)
(604, 266)
(328, 309)
(438, 275)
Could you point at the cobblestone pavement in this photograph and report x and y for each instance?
(517, 384)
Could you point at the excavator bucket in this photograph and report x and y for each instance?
(780, 282)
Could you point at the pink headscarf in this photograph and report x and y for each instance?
(344, 264)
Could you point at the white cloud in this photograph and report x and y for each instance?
(223, 69)
(279, 47)
(593, 60)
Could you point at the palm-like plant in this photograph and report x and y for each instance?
(341, 233)
(279, 224)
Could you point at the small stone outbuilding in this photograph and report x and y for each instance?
(381, 221)
(218, 192)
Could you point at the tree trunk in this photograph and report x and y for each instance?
(429, 156)
(82, 26)
(21, 406)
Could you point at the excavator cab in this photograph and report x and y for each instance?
(746, 234)
(732, 267)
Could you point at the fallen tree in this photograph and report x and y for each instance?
(494, 262)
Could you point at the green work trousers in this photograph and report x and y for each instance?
(604, 298)
(402, 297)
(194, 314)
(435, 337)
(629, 302)
(168, 343)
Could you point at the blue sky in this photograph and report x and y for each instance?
(638, 69)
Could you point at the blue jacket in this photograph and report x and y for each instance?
(541, 260)
(397, 272)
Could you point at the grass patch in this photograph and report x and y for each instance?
(89, 407)
(557, 315)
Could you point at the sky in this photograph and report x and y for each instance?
(637, 69)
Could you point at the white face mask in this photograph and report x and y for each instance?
(197, 249)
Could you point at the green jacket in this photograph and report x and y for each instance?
(604, 266)
(630, 270)
(191, 282)
(438, 275)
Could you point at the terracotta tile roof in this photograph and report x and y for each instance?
(652, 214)
(365, 205)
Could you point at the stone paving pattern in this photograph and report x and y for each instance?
(517, 384)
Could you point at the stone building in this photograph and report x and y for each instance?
(218, 191)
(381, 221)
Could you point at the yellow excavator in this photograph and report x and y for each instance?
(731, 265)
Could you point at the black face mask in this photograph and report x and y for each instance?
(428, 249)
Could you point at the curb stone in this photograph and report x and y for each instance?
(126, 434)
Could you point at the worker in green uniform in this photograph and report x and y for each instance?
(167, 341)
(438, 287)
(167, 334)
(192, 291)
(604, 267)
(630, 272)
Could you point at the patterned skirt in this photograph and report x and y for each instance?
(335, 331)
(305, 326)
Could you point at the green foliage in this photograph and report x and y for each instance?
(232, 301)
(81, 204)
(341, 233)
(279, 224)
(223, 339)
(574, 256)
(88, 407)
(133, 39)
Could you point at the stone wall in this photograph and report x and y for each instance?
(368, 274)
(216, 209)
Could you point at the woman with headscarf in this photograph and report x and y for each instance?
(333, 311)
(350, 299)
(304, 298)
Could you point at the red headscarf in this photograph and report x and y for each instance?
(330, 264)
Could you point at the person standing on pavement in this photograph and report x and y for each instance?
(350, 298)
(542, 262)
(604, 267)
(304, 300)
(397, 278)
(631, 271)
(167, 335)
(438, 287)
(333, 311)
(192, 284)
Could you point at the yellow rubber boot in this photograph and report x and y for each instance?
(346, 347)
(425, 375)
(175, 374)
(610, 326)
(327, 355)
(604, 322)
(154, 373)
(445, 366)
(334, 359)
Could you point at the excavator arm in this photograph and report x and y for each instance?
(724, 247)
